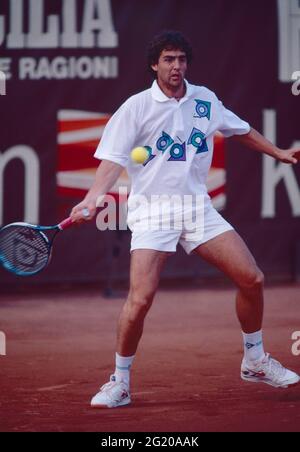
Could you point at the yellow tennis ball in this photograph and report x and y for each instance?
(139, 154)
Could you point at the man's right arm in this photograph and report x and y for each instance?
(106, 176)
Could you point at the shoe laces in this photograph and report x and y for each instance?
(113, 388)
(274, 367)
(108, 385)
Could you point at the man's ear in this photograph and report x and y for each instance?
(154, 67)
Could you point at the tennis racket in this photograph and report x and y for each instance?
(25, 249)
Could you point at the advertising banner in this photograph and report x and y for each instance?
(67, 65)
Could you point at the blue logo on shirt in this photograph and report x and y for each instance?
(178, 153)
(178, 150)
(151, 156)
(203, 109)
(197, 139)
(164, 142)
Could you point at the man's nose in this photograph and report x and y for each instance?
(176, 63)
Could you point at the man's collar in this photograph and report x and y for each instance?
(159, 95)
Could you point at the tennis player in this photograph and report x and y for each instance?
(176, 121)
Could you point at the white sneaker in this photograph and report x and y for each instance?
(112, 395)
(268, 371)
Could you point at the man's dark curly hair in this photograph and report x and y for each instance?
(167, 40)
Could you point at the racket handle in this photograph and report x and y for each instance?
(67, 223)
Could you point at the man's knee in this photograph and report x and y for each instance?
(139, 303)
(254, 279)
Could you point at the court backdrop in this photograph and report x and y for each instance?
(67, 65)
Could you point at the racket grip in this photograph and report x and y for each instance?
(67, 223)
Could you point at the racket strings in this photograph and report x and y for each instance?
(23, 250)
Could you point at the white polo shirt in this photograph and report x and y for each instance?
(179, 136)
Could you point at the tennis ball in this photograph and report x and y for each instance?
(139, 154)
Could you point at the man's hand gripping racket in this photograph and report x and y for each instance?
(25, 249)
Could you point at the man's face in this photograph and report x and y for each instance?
(171, 68)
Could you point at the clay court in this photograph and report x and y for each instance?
(60, 349)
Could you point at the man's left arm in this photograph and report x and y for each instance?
(259, 143)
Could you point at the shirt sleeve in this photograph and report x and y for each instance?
(118, 137)
(231, 123)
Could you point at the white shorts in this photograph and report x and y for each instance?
(214, 225)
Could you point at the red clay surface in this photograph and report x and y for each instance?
(60, 349)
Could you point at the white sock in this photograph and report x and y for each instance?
(253, 346)
(123, 365)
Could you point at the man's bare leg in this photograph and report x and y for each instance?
(145, 270)
(229, 253)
